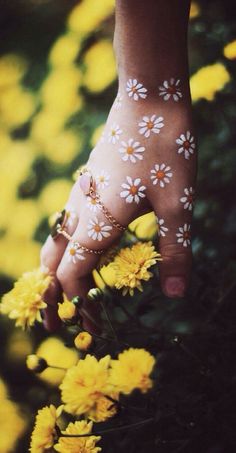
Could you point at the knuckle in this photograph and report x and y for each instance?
(175, 252)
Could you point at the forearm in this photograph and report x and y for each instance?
(150, 41)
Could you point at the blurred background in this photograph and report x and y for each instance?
(57, 83)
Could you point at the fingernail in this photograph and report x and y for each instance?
(174, 286)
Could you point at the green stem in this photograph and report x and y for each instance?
(109, 320)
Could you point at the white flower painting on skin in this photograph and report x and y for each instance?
(74, 253)
(114, 134)
(131, 151)
(98, 230)
(71, 216)
(150, 125)
(136, 90)
(133, 191)
(162, 230)
(93, 204)
(161, 175)
(118, 101)
(102, 179)
(184, 235)
(186, 144)
(170, 90)
(188, 198)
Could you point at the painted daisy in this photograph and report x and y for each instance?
(102, 179)
(70, 216)
(74, 253)
(131, 151)
(118, 101)
(93, 204)
(151, 124)
(170, 90)
(162, 230)
(184, 235)
(135, 90)
(188, 198)
(133, 191)
(114, 133)
(161, 175)
(187, 145)
(98, 230)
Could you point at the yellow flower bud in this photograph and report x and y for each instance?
(83, 341)
(66, 310)
(95, 294)
(35, 363)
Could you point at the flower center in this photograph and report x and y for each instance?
(72, 252)
(134, 89)
(186, 144)
(160, 174)
(133, 190)
(97, 228)
(101, 179)
(150, 124)
(130, 150)
(186, 235)
(113, 132)
(172, 89)
(190, 198)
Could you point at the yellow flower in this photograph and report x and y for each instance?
(86, 16)
(97, 77)
(103, 409)
(57, 354)
(11, 252)
(84, 383)
(23, 219)
(64, 50)
(44, 432)
(12, 69)
(79, 444)
(62, 148)
(12, 426)
(194, 10)
(208, 80)
(132, 370)
(66, 310)
(16, 106)
(46, 125)
(131, 266)
(3, 390)
(35, 363)
(25, 300)
(54, 195)
(83, 341)
(19, 346)
(145, 226)
(230, 50)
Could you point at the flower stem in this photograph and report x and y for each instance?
(109, 321)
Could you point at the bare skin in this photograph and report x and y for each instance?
(150, 44)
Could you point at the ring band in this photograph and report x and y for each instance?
(70, 239)
(59, 224)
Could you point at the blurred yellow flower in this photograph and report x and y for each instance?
(103, 408)
(11, 252)
(22, 218)
(86, 16)
(63, 147)
(12, 69)
(3, 390)
(131, 266)
(56, 353)
(16, 106)
(132, 371)
(145, 226)
(194, 10)
(54, 195)
(208, 80)
(19, 345)
(59, 91)
(97, 77)
(78, 444)
(66, 310)
(83, 341)
(106, 276)
(84, 383)
(230, 50)
(12, 426)
(35, 363)
(96, 135)
(24, 301)
(46, 125)
(44, 432)
(64, 50)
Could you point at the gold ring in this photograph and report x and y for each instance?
(59, 224)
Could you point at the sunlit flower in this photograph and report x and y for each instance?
(97, 77)
(24, 302)
(93, 204)
(98, 230)
(187, 145)
(184, 235)
(230, 50)
(12, 69)
(12, 425)
(102, 179)
(114, 133)
(132, 371)
(161, 175)
(170, 90)
(85, 444)
(208, 80)
(136, 90)
(131, 150)
(150, 124)
(86, 16)
(118, 101)
(188, 198)
(133, 191)
(144, 226)
(83, 341)
(131, 265)
(44, 432)
(54, 195)
(74, 253)
(66, 310)
(162, 230)
(84, 383)
(64, 50)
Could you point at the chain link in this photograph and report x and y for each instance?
(93, 194)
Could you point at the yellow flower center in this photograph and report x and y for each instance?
(97, 228)
(160, 174)
(150, 124)
(133, 190)
(134, 89)
(130, 150)
(72, 252)
(113, 132)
